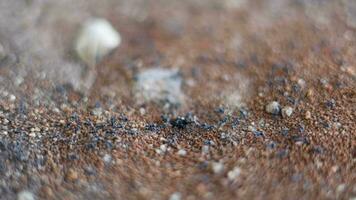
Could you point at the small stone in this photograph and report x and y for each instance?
(46, 192)
(182, 152)
(25, 195)
(72, 175)
(287, 111)
(12, 97)
(107, 158)
(176, 196)
(217, 167)
(310, 94)
(18, 80)
(96, 39)
(307, 115)
(340, 188)
(56, 110)
(163, 148)
(97, 111)
(335, 168)
(301, 83)
(273, 108)
(142, 111)
(234, 173)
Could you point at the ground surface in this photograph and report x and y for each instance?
(235, 57)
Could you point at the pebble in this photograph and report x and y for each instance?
(341, 188)
(163, 147)
(217, 167)
(176, 196)
(25, 195)
(301, 83)
(12, 97)
(107, 158)
(96, 39)
(159, 85)
(273, 108)
(234, 173)
(71, 175)
(182, 152)
(46, 192)
(310, 94)
(287, 111)
(142, 111)
(307, 115)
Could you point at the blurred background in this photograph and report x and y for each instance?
(203, 37)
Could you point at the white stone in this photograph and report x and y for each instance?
(176, 196)
(301, 83)
(12, 97)
(25, 195)
(341, 188)
(273, 107)
(163, 147)
(217, 167)
(107, 158)
(96, 39)
(182, 152)
(234, 173)
(287, 111)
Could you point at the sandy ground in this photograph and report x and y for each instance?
(235, 57)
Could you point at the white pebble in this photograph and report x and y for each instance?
(107, 158)
(233, 174)
(217, 167)
(96, 39)
(12, 97)
(176, 196)
(273, 108)
(163, 148)
(287, 111)
(25, 195)
(341, 188)
(142, 111)
(182, 152)
(301, 83)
